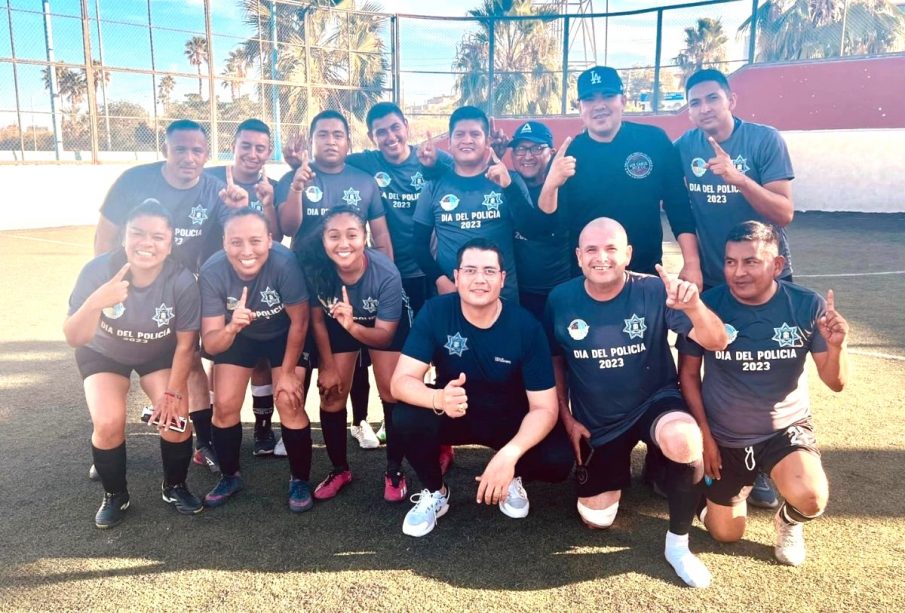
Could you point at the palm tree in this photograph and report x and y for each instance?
(527, 60)
(164, 92)
(705, 47)
(236, 69)
(71, 86)
(196, 53)
(809, 29)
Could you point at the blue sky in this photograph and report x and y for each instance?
(426, 45)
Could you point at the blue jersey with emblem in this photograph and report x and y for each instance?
(500, 363)
(376, 295)
(616, 351)
(196, 211)
(279, 283)
(350, 186)
(400, 185)
(758, 385)
(756, 150)
(543, 261)
(143, 326)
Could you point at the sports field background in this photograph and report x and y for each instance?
(350, 554)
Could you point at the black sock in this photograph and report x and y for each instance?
(684, 486)
(359, 392)
(262, 406)
(111, 466)
(333, 425)
(227, 443)
(201, 423)
(394, 449)
(298, 450)
(175, 458)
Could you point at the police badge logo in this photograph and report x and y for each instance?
(635, 327)
(115, 312)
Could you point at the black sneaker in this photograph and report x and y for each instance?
(113, 510)
(265, 441)
(180, 497)
(205, 456)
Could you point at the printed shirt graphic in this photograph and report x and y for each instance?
(197, 211)
(499, 363)
(279, 283)
(349, 187)
(144, 325)
(757, 150)
(616, 351)
(399, 187)
(376, 295)
(758, 384)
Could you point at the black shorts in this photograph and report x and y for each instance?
(343, 342)
(90, 362)
(246, 352)
(740, 465)
(418, 290)
(610, 466)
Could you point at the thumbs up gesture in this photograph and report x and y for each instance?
(342, 311)
(497, 172)
(680, 295)
(562, 167)
(113, 292)
(833, 326)
(722, 165)
(427, 153)
(452, 399)
(242, 316)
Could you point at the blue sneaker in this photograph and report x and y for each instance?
(763, 494)
(226, 487)
(300, 499)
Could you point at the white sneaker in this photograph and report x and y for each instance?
(429, 506)
(789, 548)
(515, 505)
(365, 436)
(280, 449)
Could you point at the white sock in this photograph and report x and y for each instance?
(689, 568)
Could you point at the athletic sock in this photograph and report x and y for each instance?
(359, 393)
(262, 405)
(227, 443)
(298, 450)
(687, 565)
(394, 449)
(684, 486)
(201, 423)
(175, 458)
(333, 426)
(111, 466)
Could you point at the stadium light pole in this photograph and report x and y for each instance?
(274, 88)
(54, 88)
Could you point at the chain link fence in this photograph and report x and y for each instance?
(99, 80)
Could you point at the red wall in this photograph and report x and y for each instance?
(819, 95)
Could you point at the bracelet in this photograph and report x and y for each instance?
(175, 395)
(434, 403)
(293, 188)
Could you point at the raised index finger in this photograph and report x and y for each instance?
(242, 298)
(345, 295)
(663, 276)
(716, 146)
(562, 148)
(121, 273)
(229, 176)
(830, 301)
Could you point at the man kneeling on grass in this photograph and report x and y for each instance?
(495, 387)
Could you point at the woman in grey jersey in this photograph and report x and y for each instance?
(137, 309)
(357, 304)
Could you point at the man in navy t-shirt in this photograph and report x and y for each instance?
(494, 387)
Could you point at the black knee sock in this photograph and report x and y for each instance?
(111, 466)
(333, 426)
(175, 458)
(394, 448)
(684, 486)
(792, 516)
(359, 392)
(298, 449)
(227, 443)
(201, 422)
(262, 405)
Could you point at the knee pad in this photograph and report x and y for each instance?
(598, 518)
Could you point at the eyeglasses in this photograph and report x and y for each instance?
(470, 271)
(521, 151)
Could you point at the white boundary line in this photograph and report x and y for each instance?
(43, 240)
(874, 354)
(795, 275)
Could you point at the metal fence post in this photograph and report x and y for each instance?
(565, 64)
(52, 79)
(491, 57)
(12, 50)
(274, 89)
(89, 81)
(655, 96)
(397, 62)
(752, 39)
(211, 86)
(157, 143)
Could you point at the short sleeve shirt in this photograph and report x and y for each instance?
(616, 351)
(144, 326)
(196, 211)
(761, 154)
(278, 284)
(543, 262)
(350, 186)
(500, 363)
(400, 185)
(376, 295)
(758, 384)
(463, 208)
(214, 241)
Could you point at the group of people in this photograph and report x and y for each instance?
(521, 309)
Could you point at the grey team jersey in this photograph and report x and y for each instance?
(616, 352)
(279, 283)
(756, 150)
(376, 295)
(758, 385)
(350, 186)
(400, 185)
(196, 211)
(219, 173)
(143, 326)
